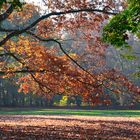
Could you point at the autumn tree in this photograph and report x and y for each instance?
(122, 31)
(61, 51)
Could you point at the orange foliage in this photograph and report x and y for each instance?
(49, 70)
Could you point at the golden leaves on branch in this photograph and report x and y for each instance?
(22, 16)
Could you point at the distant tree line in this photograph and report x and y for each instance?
(10, 97)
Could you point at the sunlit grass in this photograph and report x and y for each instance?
(33, 111)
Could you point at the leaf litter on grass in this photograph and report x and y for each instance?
(37, 127)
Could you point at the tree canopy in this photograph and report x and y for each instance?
(117, 31)
(62, 51)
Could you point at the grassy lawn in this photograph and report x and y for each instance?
(27, 111)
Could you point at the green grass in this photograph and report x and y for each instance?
(27, 111)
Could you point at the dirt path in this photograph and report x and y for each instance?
(28, 127)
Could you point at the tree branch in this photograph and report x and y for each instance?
(18, 32)
(101, 83)
(60, 46)
(74, 61)
(7, 13)
(41, 85)
(20, 61)
(20, 71)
